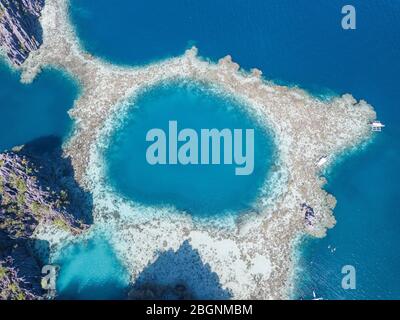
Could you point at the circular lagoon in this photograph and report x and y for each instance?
(187, 146)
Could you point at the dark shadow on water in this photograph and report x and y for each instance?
(25, 259)
(178, 275)
(55, 172)
(106, 291)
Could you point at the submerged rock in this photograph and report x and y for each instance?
(309, 215)
(20, 29)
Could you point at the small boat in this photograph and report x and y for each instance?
(377, 126)
(322, 161)
(315, 296)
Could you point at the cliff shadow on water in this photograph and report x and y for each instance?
(90, 270)
(178, 275)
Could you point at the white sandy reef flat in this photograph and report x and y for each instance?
(253, 255)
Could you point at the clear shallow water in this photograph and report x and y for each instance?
(202, 190)
(36, 110)
(91, 270)
(298, 42)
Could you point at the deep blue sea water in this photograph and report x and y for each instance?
(367, 231)
(302, 43)
(90, 270)
(36, 110)
(201, 189)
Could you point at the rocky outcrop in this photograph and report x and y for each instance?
(12, 286)
(20, 270)
(35, 188)
(20, 29)
(23, 202)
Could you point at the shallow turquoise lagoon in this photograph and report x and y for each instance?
(200, 189)
(91, 270)
(35, 110)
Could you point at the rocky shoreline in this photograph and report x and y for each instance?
(24, 204)
(12, 286)
(254, 257)
(20, 29)
(27, 201)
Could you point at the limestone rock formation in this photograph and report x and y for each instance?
(33, 190)
(23, 202)
(20, 29)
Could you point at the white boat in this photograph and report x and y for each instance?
(377, 126)
(315, 296)
(322, 161)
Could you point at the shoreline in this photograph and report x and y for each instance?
(305, 238)
(304, 127)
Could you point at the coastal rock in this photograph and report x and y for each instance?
(309, 215)
(31, 193)
(20, 29)
(24, 204)
(12, 285)
(20, 270)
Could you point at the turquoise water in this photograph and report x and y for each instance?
(299, 42)
(90, 270)
(200, 189)
(36, 110)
